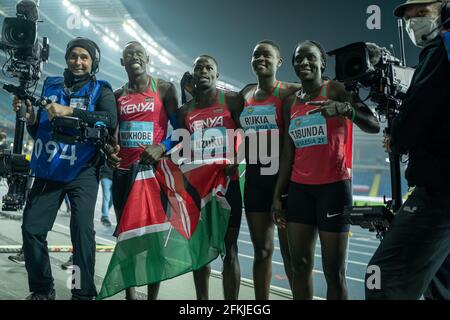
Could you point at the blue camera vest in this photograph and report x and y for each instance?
(58, 161)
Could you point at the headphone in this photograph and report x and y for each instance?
(98, 54)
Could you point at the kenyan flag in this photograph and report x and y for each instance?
(174, 222)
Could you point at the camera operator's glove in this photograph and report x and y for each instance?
(152, 153)
(331, 108)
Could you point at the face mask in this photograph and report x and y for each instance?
(422, 29)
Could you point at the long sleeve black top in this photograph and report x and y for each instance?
(422, 127)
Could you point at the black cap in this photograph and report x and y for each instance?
(89, 45)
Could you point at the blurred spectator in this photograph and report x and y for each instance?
(106, 175)
(3, 143)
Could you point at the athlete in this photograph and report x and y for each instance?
(207, 117)
(145, 107)
(317, 156)
(261, 117)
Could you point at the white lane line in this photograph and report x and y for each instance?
(314, 270)
(99, 239)
(368, 254)
(316, 255)
(364, 246)
(365, 239)
(369, 237)
(352, 244)
(284, 290)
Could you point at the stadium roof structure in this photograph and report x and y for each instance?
(110, 25)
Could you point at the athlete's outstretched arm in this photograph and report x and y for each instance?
(364, 118)
(291, 88)
(347, 104)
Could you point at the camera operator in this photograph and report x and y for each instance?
(62, 169)
(416, 247)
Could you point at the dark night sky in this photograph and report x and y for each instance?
(229, 29)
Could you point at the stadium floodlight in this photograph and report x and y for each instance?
(86, 22)
(73, 9)
(165, 60)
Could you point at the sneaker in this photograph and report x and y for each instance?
(68, 264)
(105, 222)
(18, 258)
(40, 296)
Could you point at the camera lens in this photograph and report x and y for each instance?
(18, 33)
(354, 67)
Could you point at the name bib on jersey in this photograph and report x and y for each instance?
(134, 133)
(210, 142)
(259, 118)
(309, 131)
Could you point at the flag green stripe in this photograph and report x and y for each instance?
(143, 260)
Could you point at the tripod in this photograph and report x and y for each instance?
(15, 199)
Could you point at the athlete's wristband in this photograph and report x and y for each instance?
(353, 114)
(353, 111)
(167, 144)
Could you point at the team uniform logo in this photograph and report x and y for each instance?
(128, 108)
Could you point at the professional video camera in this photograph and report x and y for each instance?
(366, 65)
(71, 130)
(25, 56)
(19, 41)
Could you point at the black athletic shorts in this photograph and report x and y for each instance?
(259, 190)
(320, 205)
(121, 187)
(234, 198)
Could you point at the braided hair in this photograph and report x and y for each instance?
(317, 44)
